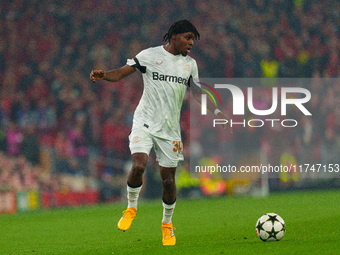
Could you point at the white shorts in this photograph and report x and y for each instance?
(168, 152)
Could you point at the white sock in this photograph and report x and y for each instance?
(168, 210)
(132, 196)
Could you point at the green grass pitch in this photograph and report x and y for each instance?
(203, 226)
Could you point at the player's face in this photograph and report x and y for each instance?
(183, 42)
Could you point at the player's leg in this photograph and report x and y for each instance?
(168, 154)
(140, 146)
(168, 193)
(135, 178)
(169, 202)
(169, 184)
(134, 186)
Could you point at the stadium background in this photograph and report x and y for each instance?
(63, 140)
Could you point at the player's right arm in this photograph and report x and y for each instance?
(113, 75)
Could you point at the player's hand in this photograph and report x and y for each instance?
(220, 115)
(97, 75)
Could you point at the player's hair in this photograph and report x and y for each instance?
(179, 27)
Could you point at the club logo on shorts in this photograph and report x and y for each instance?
(187, 67)
(159, 63)
(135, 139)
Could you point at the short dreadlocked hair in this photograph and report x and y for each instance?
(179, 27)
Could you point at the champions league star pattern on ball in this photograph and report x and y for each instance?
(270, 227)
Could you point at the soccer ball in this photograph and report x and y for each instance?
(270, 227)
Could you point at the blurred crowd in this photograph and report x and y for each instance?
(48, 49)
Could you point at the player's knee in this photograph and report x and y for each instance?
(138, 169)
(168, 183)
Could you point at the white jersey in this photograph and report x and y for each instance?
(166, 77)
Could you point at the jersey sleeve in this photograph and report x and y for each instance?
(193, 75)
(139, 61)
(194, 70)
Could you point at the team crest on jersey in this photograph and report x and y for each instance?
(136, 139)
(159, 63)
(187, 67)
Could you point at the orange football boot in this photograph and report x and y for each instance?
(168, 234)
(128, 216)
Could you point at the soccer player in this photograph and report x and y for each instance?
(166, 71)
